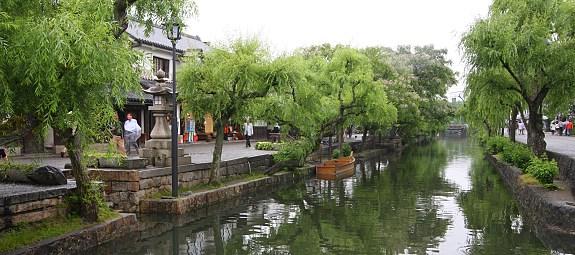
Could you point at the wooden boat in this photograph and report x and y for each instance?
(342, 167)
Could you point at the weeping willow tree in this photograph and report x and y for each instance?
(354, 93)
(66, 64)
(532, 41)
(489, 111)
(228, 80)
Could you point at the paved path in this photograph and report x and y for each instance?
(12, 189)
(559, 144)
(200, 152)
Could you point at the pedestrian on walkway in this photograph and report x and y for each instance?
(561, 125)
(568, 127)
(521, 128)
(132, 132)
(117, 135)
(553, 127)
(248, 132)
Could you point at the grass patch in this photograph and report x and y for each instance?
(29, 233)
(528, 179)
(210, 186)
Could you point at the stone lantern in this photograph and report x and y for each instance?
(158, 149)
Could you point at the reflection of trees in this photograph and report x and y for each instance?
(386, 212)
(492, 212)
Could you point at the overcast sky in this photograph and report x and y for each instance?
(287, 25)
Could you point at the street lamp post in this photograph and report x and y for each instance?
(174, 36)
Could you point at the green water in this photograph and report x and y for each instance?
(442, 198)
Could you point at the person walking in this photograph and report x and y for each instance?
(561, 125)
(568, 127)
(553, 127)
(248, 132)
(117, 135)
(132, 132)
(521, 128)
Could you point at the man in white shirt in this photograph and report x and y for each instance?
(132, 132)
(248, 132)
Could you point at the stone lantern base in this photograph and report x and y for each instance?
(159, 153)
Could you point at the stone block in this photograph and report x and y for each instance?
(133, 186)
(136, 163)
(35, 205)
(146, 183)
(35, 215)
(119, 186)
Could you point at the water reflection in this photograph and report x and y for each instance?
(442, 198)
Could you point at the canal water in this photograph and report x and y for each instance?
(441, 198)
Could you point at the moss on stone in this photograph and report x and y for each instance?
(26, 234)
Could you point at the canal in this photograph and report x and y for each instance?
(441, 198)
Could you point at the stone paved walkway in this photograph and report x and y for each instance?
(13, 189)
(200, 152)
(559, 144)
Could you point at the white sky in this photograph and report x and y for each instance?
(287, 25)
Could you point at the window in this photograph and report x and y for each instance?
(161, 63)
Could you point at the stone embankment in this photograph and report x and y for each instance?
(198, 200)
(84, 239)
(24, 203)
(551, 211)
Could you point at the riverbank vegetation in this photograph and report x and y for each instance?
(319, 91)
(520, 65)
(535, 170)
(29, 233)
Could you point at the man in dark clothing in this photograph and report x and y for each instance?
(117, 132)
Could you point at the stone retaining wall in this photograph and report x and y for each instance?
(536, 201)
(186, 204)
(126, 188)
(35, 205)
(566, 168)
(83, 239)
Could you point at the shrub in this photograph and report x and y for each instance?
(517, 155)
(294, 150)
(10, 165)
(346, 150)
(335, 154)
(264, 146)
(496, 145)
(543, 170)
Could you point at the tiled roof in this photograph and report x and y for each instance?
(158, 38)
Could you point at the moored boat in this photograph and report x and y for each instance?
(342, 167)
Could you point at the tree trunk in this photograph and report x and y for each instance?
(340, 138)
(320, 146)
(217, 155)
(87, 203)
(535, 134)
(364, 137)
(217, 231)
(329, 144)
(512, 127)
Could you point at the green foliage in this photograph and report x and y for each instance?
(518, 155)
(92, 194)
(29, 233)
(528, 179)
(296, 150)
(265, 146)
(11, 165)
(346, 150)
(497, 144)
(543, 170)
(336, 154)
(523, 53)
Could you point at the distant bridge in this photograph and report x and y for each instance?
(456, 130)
